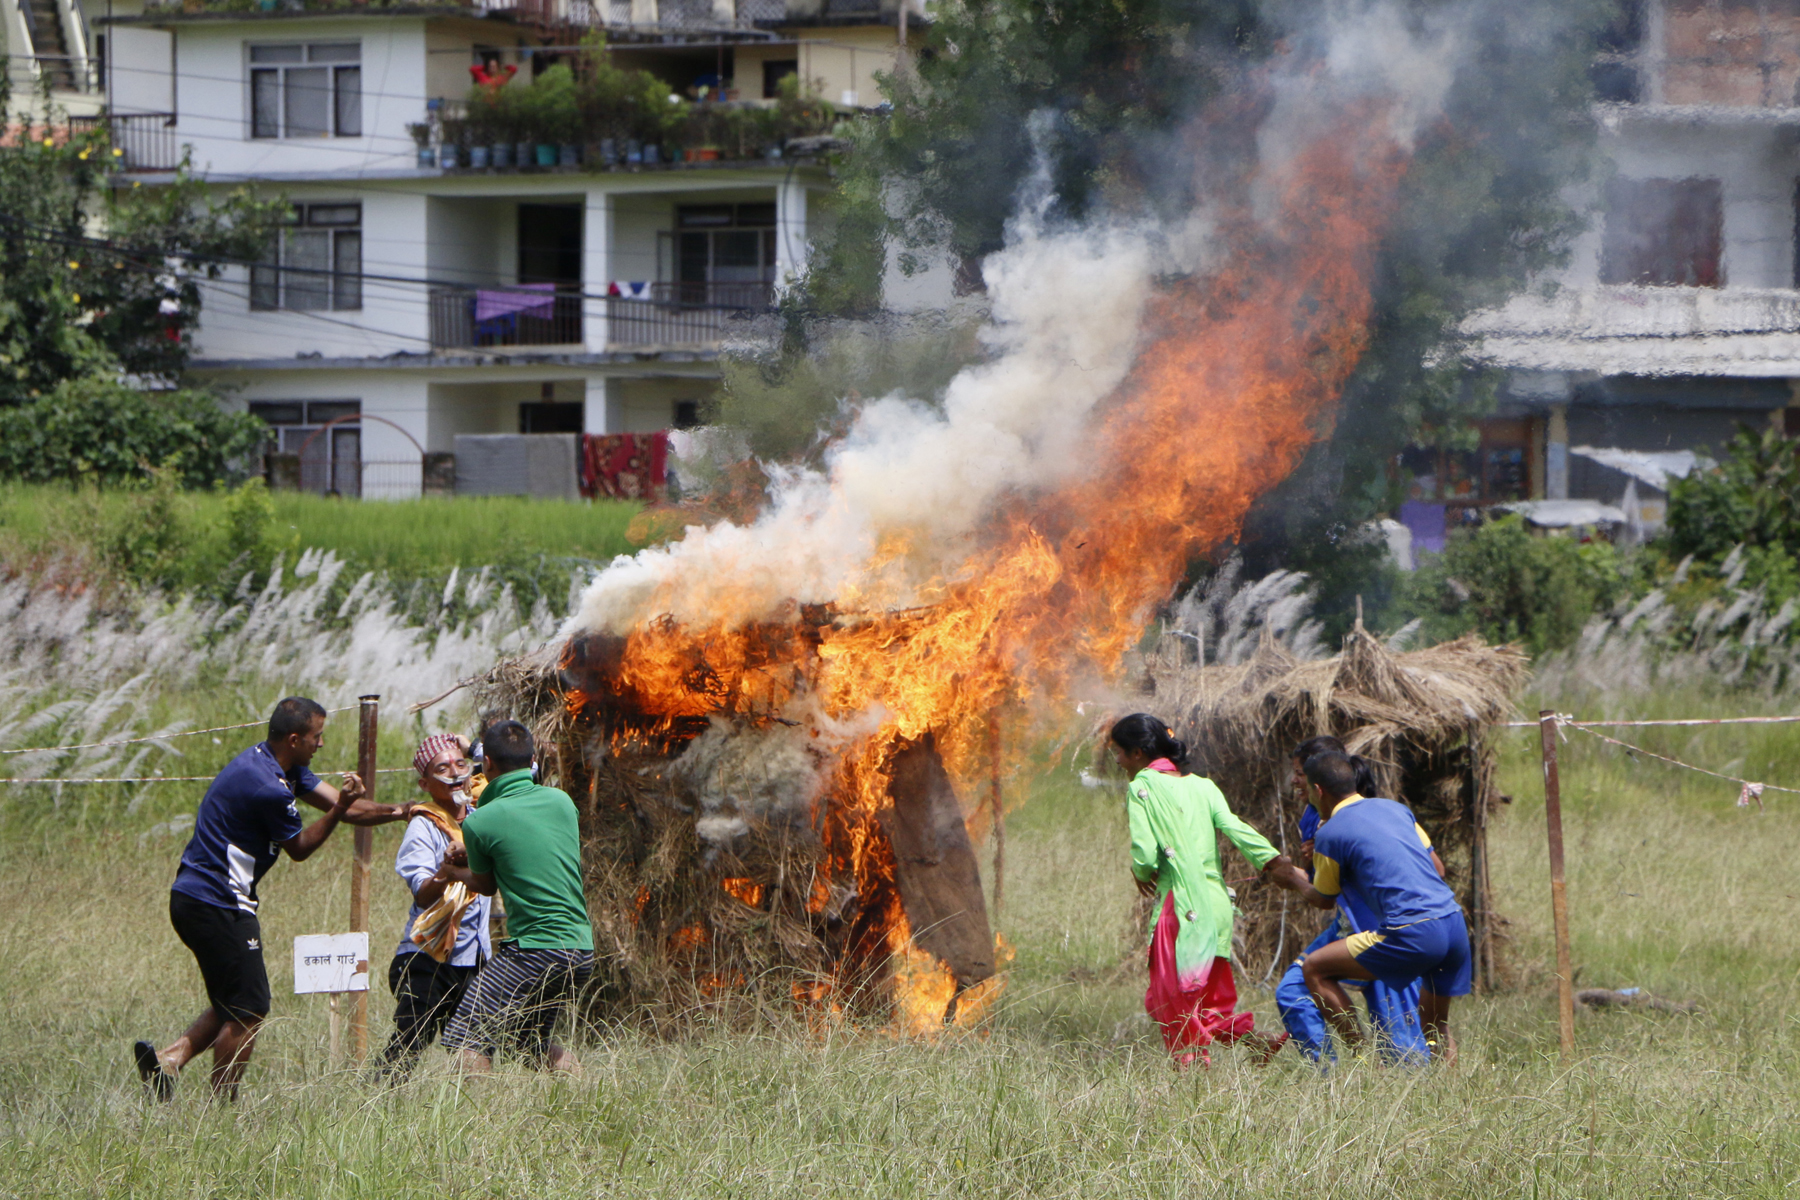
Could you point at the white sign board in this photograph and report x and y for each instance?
(331, 962)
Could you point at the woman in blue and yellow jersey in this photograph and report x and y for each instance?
(1175, 819)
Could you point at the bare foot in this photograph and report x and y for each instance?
(1271, 1046)
(562, 1062)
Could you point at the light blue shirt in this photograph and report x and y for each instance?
(421, 850)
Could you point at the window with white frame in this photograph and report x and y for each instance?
(306, 89)
(314, 263)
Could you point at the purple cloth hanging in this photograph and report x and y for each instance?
(528, 299)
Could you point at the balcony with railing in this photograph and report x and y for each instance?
(145, 141)
(668, 315)
(685, 314)
(526, 315)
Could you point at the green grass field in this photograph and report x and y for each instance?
(1673, 889)
(406, 539)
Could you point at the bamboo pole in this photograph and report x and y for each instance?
(1559, 892)
(368, 716)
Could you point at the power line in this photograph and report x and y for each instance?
(104, 245)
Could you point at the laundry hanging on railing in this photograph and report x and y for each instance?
(528, 299)
(624, 466)
(630, 289)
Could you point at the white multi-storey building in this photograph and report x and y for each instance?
(1678, 315)
(415, 297)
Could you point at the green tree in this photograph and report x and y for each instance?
(1509, 585)
(94, 428)
(102, 279)
(1751, 497)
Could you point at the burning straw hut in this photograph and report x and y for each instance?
(1419, 717)
(734, 866)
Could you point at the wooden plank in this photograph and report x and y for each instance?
(934, 864)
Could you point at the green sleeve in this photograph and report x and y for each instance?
(1146, 855)
(1251, 844)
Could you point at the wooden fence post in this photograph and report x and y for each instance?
(1478, 893)
(359, 869)
(1559, 892)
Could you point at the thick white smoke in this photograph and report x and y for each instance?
(1067, 305)
(1064, 330)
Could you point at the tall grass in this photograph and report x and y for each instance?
(1068, 1094)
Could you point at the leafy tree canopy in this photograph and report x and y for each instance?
(94, 428)
(96, 279)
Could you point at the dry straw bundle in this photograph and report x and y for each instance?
(685, 927)
(1417, 716)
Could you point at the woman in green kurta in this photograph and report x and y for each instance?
(1175, 820)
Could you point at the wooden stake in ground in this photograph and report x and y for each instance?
(1559, 892)
(359, 870)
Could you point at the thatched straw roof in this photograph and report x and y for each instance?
(1417, 716)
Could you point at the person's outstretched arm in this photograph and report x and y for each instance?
(302, 844)
(361, 811)
(1282, 872)
(1255, 848)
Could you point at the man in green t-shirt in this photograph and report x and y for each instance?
(524, 841)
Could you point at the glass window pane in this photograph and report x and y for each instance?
(275, 54)
(265, 104)
(334, 52)
(321, 411)
(347, 262)
(277, 412)
(307, 102)
(310, 289)
(691, 265)
(756, 214)
(737, 256)
(265, 289)
(703, 216)
(334, 214)
(349, 101)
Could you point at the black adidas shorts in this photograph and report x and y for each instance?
(227, 943)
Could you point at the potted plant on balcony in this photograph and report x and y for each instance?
(491, 105)
(421, 136)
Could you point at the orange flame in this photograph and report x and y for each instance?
(1239, 376)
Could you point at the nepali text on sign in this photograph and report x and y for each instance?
(331, 962)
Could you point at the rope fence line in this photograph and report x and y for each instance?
(1752, 789)
(1567, 720)
(180, 778)
(160, 737)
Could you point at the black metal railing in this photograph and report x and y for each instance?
(474, 317)
(685, 314)
(146, 141)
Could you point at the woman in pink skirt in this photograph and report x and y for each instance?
(1175, 820)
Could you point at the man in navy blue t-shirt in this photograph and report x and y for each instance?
(249, 816)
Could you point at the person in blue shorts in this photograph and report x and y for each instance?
(1393, 1012)
(1373, 850)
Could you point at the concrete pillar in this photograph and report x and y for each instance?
(602, 410)
(1556, 454)
(790, 232)
(596, 267)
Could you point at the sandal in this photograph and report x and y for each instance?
(150, 1070)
